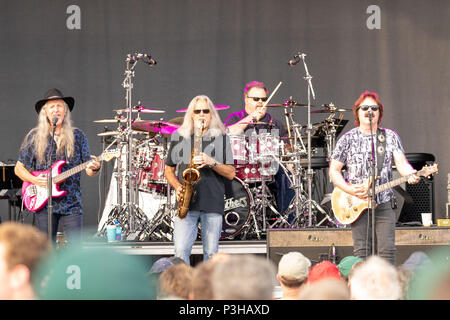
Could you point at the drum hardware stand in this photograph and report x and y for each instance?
(129, 207)
(309, 171)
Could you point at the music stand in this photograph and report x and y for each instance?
(9, 186)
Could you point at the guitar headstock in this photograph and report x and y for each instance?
(428, 170)
(110, 154)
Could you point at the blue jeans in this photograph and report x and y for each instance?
(72, 225)
(384, 233)
(186, 230)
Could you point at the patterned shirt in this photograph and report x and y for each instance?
(70, 203)
(354, 149)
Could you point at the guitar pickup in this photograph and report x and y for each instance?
(31, 191)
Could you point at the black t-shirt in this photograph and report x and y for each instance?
(276, 124)
(210, 189)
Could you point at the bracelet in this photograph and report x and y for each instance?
(214, 165)
(96, 170)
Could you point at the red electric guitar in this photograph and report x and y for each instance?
(35, 197)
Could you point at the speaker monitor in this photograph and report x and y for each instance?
(418, 198)
(317, 244)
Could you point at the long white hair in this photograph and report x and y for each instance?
(42, 132)
(216, 127)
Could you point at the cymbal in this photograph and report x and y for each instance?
(254, 122)
(177, 120)
(155, 126)
(330, 108)
(217, 107)
(140, 109)
(289, 104)
(110, 120)
(108, 133)
(115, 133)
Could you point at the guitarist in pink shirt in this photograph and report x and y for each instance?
(354, 150)
(70, 149)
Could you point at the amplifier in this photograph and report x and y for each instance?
(317, 244)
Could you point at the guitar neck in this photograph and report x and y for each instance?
(66, 174)
(394, 183)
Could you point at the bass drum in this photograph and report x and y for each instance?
(238, 203)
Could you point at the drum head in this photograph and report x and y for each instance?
(238, 203)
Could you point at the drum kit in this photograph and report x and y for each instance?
(144, 204)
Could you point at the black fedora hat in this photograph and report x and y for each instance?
(54, 94)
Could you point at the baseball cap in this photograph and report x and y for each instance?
(346, 265)
(294, 266)
(323, 270)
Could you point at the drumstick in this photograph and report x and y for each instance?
(276, 89)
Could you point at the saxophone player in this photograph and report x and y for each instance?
(201, 143)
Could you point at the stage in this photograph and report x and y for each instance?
(315, 243)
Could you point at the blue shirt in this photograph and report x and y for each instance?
(70, 203)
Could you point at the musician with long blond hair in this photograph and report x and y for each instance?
(69, 144)
(215, 164)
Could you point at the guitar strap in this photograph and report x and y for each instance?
(381, 149)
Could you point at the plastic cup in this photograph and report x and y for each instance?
(111, 233)
(427, 220)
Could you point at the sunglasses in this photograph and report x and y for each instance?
(256, 99)
(205, 111)
(374, 108)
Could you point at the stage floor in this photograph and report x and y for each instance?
(167, 248)
(289, 239)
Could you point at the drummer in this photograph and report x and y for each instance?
(254, 116)
(255, 95)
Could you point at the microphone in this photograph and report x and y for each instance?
(55, 121)
(297, 58)
(146, 58)
(293, 62)
(370, 114)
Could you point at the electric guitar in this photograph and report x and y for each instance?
(35, 197)
(347, 208)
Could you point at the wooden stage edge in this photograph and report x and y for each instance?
(289, 239)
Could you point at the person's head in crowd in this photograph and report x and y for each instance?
(22, 247)
(220, 257)
(416, 260)
(83, 273)
(375, 279)
(160, 265)
(292, 273)
(432, 281)
(244, 277)
(325, 289)
(346, 265)
(202, 288)
(175, 282)
(323, 270)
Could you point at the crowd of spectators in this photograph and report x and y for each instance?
(31, 268)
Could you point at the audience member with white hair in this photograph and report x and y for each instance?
(375, 279)
(244, 277)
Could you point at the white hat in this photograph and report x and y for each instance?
(294, 266)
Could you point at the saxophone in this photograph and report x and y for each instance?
(191, 175)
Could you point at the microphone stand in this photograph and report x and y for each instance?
(309, 173)
(50, 184)
(372, 195)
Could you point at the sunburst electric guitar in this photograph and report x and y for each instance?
(35, 197)
(347, 208)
